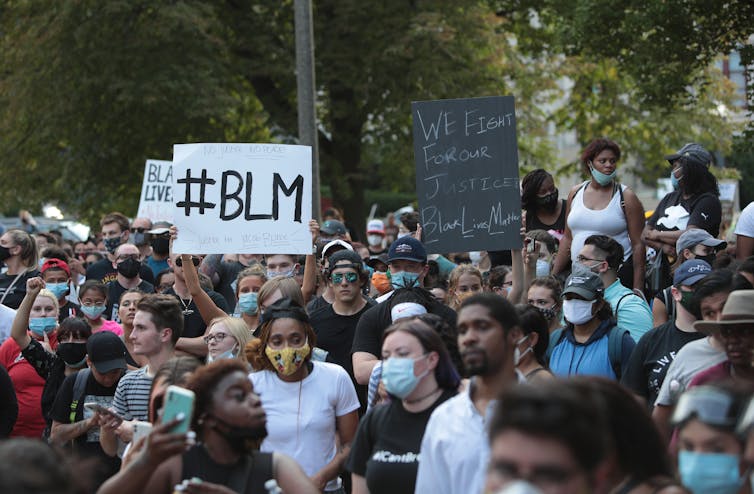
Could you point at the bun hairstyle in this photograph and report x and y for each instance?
(284, 308)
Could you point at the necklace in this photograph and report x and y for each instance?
(417, 400)
(186, 310)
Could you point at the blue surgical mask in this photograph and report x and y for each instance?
(404, 279)
(398, 375)
(543, 267)
(601, 178)
(704, 473)
(227, 354)
(93, 312)
(247, 302)
(674, 181)
(272, 274)
(41, 325)
(59, 289)
(368, 269)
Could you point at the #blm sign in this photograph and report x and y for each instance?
(156, 202)
(242, 198)
(467, 174)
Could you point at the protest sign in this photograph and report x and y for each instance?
(156, 202)
(242, 198)
(467, 174)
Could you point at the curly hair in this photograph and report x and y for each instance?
(455, 275)
(596, 147)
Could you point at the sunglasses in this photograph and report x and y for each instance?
(712, 406)
(337, 278)
(194, 260)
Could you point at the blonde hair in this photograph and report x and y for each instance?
(44, 292)
(455, 275)
(253, 270)
(288, 288)
(238, 330)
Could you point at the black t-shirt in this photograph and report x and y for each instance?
(386, 448)
(69, 309)
(316, 303)
(533, 223)
(193, 324)
(704, 211)
(16, 293)
(651, 358)
(8, 404)
(104, 272)
(86, 445)
(373, 322)
(228, 272)
(114, 292)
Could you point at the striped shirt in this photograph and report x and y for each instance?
(132, 395)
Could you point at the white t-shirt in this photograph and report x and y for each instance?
(692, 358)
(301, 415)
(745, 223)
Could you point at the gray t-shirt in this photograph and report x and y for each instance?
(694, 357)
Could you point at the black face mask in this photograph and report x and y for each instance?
(161, 245)
(548, 202)
(73, 354)
(129, 267)
(138, 239)
(4, 253)
(112, 243)
(709, 258)
(240, 439)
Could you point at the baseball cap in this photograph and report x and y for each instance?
(586, 285)
(375, 260)
(55, 263)
(333, 227)
(407, 248)
(106, 351)
(696, 236)
(376, 226)
(691, 153)
(353, 259)
(329, 248)
(690, 272)
(160, 227)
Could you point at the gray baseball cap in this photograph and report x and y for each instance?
(696, 236)
(584, 284)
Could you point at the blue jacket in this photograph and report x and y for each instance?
(570, 358)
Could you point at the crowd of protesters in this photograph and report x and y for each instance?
(614, 353)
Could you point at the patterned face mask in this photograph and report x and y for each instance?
(287, 360)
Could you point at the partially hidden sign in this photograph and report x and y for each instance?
(156, 202)
(242, 198)
(467, 174)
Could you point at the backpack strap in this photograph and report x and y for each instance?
(615, 348)
(617, 306)
(619, 189)
(79, 388)
(555, 338)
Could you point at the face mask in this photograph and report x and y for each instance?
(59, 289)
(543, 268)
(675, 182)
(461, 296)
(112, 243)
(287, 360)
(41, 325)
(4, 253)
(138, 239)
(547, 313)
(374, 239)
(272, 274)
(601, 178)
(241, 439)
(686, 300)
(578, 311)
(247, 302)
(232, 353)
(548, 202)
(398, 375)
(129, 267)
(381, 282)
(404, 279)
(73, 354)
(705, 473)
(517, 354)
(161, 246)
(401, 235)
(93, 312)
(709, 258)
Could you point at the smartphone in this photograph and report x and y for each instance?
(96, 407)
(178, 400)
(141, 429)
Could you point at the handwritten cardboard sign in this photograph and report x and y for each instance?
(156, 202)
(242, 198)
(467, 174)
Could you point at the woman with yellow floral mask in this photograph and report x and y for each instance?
(308, 403)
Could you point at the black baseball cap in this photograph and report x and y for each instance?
(106, 351)
(333, 227)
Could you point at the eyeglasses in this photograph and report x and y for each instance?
(710, 405)
(337, 278)
(581, 258)
(194, 260)
(218, 337)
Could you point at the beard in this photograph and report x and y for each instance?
(475, 362)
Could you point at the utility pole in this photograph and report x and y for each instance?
(306, 95)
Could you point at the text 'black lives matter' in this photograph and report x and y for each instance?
(467, 173)
(231, 203)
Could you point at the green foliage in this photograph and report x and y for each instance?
(742, 158)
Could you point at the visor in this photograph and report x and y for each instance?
(710, 405)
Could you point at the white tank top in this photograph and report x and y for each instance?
(585, 222)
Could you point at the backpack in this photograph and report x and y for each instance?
(614, 346)
(79, 388)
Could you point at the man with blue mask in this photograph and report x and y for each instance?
(407, 268)
(603, 256)
(57, 277)
(280, 265)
